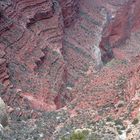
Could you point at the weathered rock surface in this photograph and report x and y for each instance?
(3, 114)
(31, 32)
(4, 77)
(73, 59)
(69, 10)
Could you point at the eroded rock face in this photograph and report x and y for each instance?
(69, 10)
(4, 77)
(55, 54)
(31, 36)
(44, 53)
(122, 22)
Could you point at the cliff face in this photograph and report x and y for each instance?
(46, 46)
(31, 39)
(69, 10)
(122, 22)
(74, 54)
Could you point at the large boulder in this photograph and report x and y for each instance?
(3, 113)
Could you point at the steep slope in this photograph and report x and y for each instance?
(81, 39)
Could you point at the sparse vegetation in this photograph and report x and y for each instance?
(118, 122)
(115, 62)
(109, 119)
(119, 132)
(80, 134)
(135, 121)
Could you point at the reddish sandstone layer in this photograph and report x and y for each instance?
(69, 10)
(31, 33)
(124, 21)
(23, 42)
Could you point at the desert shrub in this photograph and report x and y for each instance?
(80, 134)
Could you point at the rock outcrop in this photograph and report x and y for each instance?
(3, 113)
(4, 77)
(122, 21)
(69, 10)
(31, 35)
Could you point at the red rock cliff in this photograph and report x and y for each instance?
(31, 38)
(124, 21)
(44, 56)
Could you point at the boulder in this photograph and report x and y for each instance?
(3, 113)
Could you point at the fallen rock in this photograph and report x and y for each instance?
(3, 113)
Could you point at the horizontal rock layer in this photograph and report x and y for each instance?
(32, 34)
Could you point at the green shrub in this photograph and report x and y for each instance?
(135, 121)
(80, 134)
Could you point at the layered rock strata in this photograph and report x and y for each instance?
(32, 35)
(45, 52)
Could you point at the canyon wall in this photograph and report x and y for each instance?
(69, 10)
(31, 34)
(122, 23)
(47, 45)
